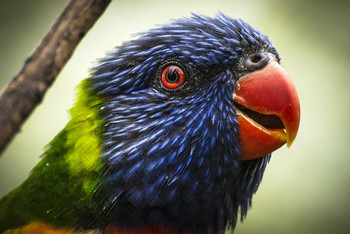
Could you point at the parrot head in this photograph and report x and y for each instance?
(170, 134)
(192, 111)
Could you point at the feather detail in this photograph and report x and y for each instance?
(42, 228)
(155, 229)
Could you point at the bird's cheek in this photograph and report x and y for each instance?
(268, 111)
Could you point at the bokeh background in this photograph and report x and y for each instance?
(305, 188)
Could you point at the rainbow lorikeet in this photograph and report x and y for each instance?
(170, 134)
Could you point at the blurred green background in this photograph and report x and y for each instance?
(305, 188)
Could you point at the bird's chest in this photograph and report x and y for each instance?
(190, 196)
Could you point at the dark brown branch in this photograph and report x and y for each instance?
(39, 71)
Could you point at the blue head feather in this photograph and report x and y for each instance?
(172, 157)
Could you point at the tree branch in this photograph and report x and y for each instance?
(28, 87)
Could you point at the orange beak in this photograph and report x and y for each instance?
(268, 110)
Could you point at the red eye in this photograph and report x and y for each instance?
(173, 77)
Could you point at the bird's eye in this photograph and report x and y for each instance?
(172, 77)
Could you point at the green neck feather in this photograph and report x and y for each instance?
(82, 134)
(67, 176)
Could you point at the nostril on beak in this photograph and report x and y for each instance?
(257, 61)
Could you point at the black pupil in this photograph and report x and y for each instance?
(172, 76)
